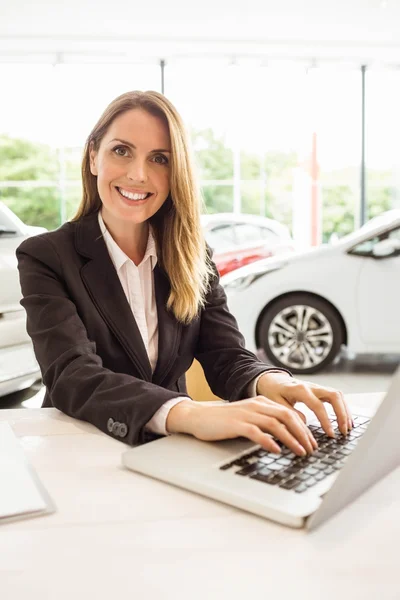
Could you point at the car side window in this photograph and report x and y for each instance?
(7, 227)
(394, 234)
(221, 237)
(247, 233)
(269, 235)
(366, 247)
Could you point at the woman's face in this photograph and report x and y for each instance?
(132, 166)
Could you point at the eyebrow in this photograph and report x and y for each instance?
(134, 147)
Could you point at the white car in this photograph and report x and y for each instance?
(300, 309)
(18, 366)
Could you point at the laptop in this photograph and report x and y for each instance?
(295, 491)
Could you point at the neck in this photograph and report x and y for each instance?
(131, 237)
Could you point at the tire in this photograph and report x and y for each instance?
(288, 333)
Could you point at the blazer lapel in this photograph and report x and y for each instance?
(169, 329)
(103, 284)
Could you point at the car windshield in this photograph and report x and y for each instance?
(10, 221)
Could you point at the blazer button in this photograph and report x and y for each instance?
(115, 428)
(123, 430)
(110, 424)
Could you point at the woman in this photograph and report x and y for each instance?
(122, 298)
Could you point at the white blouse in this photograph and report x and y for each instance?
(138, 285)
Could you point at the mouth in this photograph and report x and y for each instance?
(134, 196)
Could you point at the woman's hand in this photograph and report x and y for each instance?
(255, 418)
(287, 391)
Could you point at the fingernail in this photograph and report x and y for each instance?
(302, 450)
(331, 432)
(351, 424)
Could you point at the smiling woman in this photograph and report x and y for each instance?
(132, 177)
(121, 299)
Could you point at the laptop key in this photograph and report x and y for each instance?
(276, 467)
(227, 466)
(311, 471)
(345, 451)
(319, 454)
(286, 451)
(292, 470)
(360, 420)
(289, 485)
(261, 477)
(319, 466)
(311, 481)
(357, 434)
(319, 476)
(275, 480)
(338, 465)
(266, 460)
(351, 446)
(301, 488)
(283, 461)
(249, 469)
(241, 462)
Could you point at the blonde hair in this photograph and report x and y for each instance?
(181, 247)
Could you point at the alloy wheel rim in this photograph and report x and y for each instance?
(300, 336)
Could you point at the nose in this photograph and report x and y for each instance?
(137, 170)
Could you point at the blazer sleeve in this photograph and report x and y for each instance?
(76, 380)
(229, 368)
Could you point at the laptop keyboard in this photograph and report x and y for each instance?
(297, 473)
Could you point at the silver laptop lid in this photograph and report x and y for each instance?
(377, 454)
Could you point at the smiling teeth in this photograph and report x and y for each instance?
(132, 196)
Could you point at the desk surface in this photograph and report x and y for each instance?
(118, 533)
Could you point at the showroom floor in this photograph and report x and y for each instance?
(363, 374)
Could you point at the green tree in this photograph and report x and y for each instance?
(22, 160)
(215, 163)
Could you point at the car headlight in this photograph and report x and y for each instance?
(237, 280)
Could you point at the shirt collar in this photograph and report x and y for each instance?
(118, 257)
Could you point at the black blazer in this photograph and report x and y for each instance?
(89, 348)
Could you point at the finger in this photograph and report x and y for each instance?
(297, 432)
(308, 431)
(305, 394)
(313, 441)
(302, 416)
(348, 412)
(254, 433)
(336, 399)
(280, 432)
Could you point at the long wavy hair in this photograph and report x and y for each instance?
(180, 243)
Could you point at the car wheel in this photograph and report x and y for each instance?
(301, 333)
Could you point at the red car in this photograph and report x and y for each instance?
(238, 240)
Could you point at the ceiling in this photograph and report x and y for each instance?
(358, 31)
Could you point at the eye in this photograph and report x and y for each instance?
(120, 150)
(163, 159)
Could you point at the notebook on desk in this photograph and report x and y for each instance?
(22, 494)
(294, 491)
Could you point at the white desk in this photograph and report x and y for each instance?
(120, 534)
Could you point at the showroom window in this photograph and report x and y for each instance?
(42, 137)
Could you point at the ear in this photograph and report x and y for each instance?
(93, 159)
